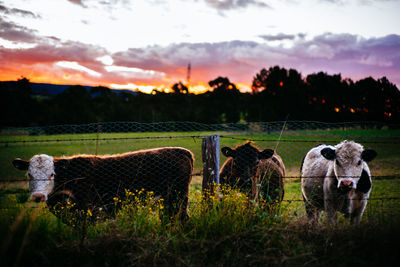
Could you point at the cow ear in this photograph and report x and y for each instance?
(61, 163)
(364, 184)
(368, 155)
(228, 152)
(20, 164)
(328, 153)
(265, 154)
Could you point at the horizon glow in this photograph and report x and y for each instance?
(148, 44)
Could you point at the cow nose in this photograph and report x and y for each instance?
(38, 198)
(348, 184)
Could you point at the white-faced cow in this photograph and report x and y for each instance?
(259, 173)
(92, 182)
(336, 178)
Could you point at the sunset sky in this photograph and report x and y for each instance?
(147, 44)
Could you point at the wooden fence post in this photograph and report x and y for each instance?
(210, 156)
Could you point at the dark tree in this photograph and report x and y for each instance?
(225, 99)
(279, 94)
(180, 88)
(378, 100)
(329, 98)
(18, 106)
(74, 105)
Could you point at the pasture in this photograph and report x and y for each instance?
(228, 232)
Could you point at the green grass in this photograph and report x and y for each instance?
(230, 232)
(292, 146)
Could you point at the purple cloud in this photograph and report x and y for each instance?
(16, 11)
(13, 32)
(77, 2)
(223, 5)
(351, 55)
(278, 37)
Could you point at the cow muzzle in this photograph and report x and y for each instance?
(38, 197)
(346, 186)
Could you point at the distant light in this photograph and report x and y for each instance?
(388, 114)
(134, 87)
(337, 109)
(352, 110)
(281, 84)
(323, 101)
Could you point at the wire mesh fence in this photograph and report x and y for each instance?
(96, 163)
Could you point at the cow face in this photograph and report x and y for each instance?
(246, 159)
(40, 170)
(349, 162)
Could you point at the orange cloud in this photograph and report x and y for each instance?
(53, 61)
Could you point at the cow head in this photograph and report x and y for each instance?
(40, 170)
(349, 164)
(246, 158)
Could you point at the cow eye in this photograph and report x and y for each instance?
(338, 163)
(51, 176)
(359, 162)
(30, 176)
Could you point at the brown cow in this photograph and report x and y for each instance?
(92, 182)
(249, 167)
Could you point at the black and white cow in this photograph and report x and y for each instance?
(336, 178)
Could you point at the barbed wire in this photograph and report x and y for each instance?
(303, 141)
(180, 131)
(196, 202)
(2, 142)
(101, 139)
(380, 177)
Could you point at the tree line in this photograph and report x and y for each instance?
(277, 94)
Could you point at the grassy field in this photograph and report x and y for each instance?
(291, 146)
(230, 232)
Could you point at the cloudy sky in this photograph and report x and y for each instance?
(147, 44)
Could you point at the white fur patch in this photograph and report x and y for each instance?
(41, 175)
(348, 155)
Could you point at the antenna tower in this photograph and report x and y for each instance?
(189, 68)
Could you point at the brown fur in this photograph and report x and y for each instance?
(93, 181)
(269, 173)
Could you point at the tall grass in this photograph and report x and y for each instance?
(225, 229)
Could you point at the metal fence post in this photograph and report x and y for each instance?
(210, 156)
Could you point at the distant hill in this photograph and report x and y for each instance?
(47, 89)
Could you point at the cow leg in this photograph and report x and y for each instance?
(176, 202)
(356, 214)
(355, 217)
(313, 213)
(183, 216)
(330, 212)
